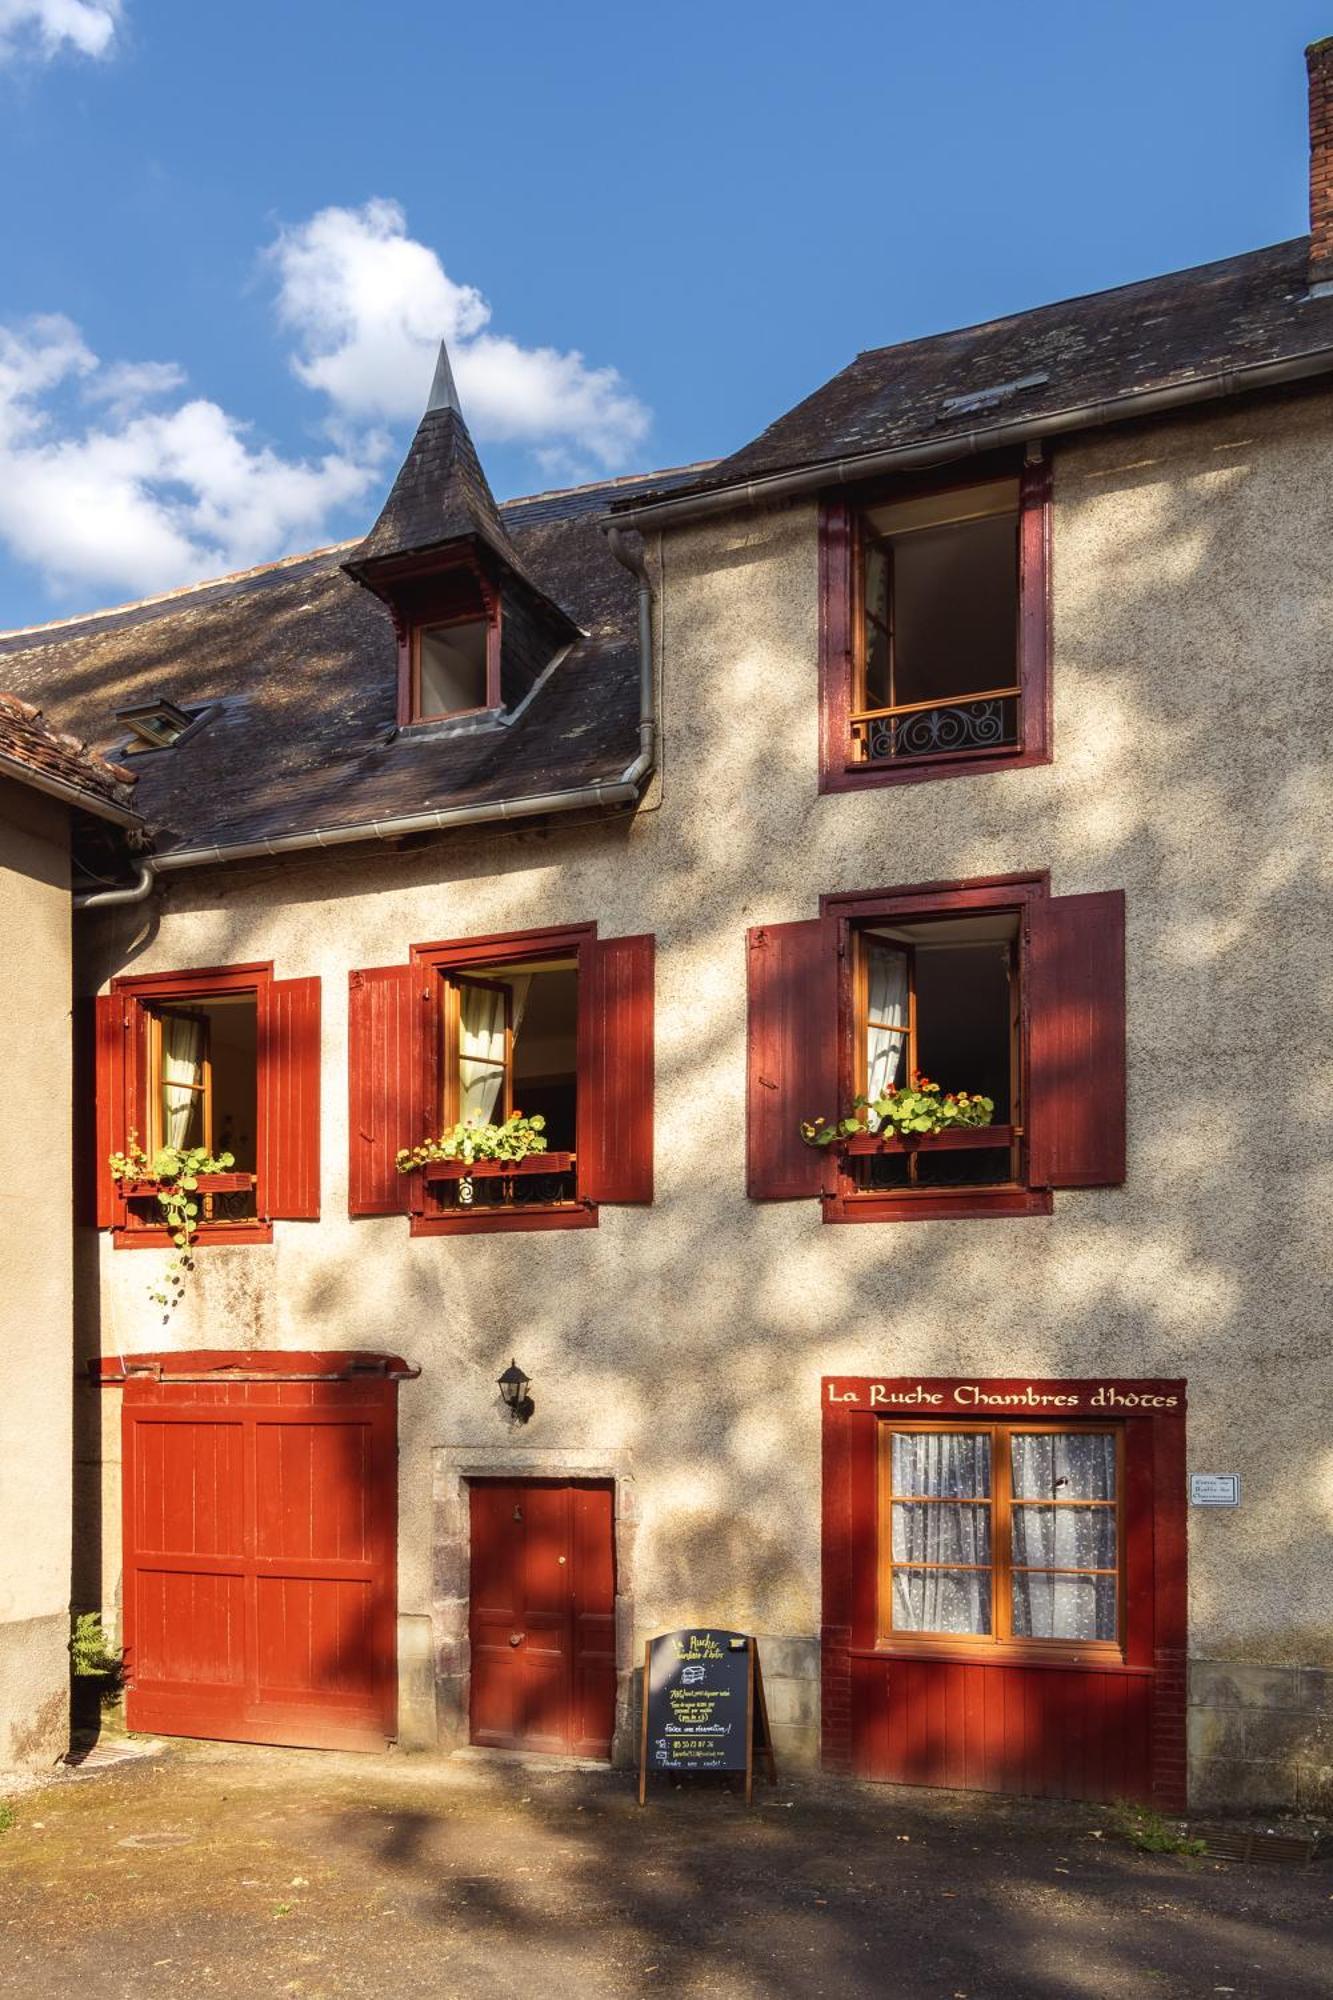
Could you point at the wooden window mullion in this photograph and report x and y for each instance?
(1002, 1607)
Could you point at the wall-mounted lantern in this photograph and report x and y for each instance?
(514, 1385)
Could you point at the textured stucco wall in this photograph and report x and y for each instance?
(1193, 599)
(36, 1261)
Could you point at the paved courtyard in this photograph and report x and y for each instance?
(219, 1871)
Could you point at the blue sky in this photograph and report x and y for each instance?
(648, 232)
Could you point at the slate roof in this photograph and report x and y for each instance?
(294, 667)
(440, 495)
(1100, 348)
(38, 750)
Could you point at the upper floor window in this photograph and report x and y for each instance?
(548, 1026)
(934, 631)
(227, 1059)
(452, 669)
(992, 990)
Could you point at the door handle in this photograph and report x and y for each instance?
(516, 1638)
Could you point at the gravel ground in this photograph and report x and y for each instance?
(236, 1871)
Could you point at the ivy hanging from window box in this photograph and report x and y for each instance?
(176, 1179)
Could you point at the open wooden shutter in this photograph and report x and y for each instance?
(1076, 1054)
(615, 1141)
(114, 1015)
(792, 1054)
(289, 1079)
(386, 1073)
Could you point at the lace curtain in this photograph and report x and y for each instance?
(182, 1080)
(947, 1528)
(481, 1045)
(886, 1014)
(1064, 1522)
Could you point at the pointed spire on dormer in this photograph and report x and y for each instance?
(444, 390)
(441, 495)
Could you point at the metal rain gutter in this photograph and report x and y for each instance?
(70, 795)
(992, 437)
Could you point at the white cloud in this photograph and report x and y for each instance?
(46, 27)
(149, 498)
(368, 306)
(113, 480)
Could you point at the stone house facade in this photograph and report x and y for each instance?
(966, 723)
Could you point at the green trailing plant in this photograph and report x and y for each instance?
(917, 1110)
(473, 1139)
(89, 1654)
(174, 1172)
(7, 1816)
(1151, 1834)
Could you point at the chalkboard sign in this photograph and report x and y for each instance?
(703, 1706)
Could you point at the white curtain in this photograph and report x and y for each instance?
(182, 1074)
(948, 1527)
(886, 1008)
(1050, 1541)
(481, 1045)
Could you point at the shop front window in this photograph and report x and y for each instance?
(1002, 1533)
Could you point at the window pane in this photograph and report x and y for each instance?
(1063, 1607)
(941, 1600)
(950, 1464)
(1063, 1465)
(941, 1532)
(955, 608)
(1064, 1537)
(452, 665)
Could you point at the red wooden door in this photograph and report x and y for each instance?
(543, 1616)
(259, 1525)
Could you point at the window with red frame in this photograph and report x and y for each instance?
(995, 988)
(556, 1023)
(933, 635)
(226, 1058)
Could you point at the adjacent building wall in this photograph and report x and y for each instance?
(1193, 602)
(36, 1250)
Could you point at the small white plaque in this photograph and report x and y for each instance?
(1214, 1489)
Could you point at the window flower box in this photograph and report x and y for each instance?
(480, 1170)
(204, 1184)
(953, 1139)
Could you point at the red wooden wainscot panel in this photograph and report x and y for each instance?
(112, 1013)
(1076, 1011)
(289, 1081)
(386, 1075)
(792, 1054)
(1043, 1726)
(615, 1142)
(259, 1554)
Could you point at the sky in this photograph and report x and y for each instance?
(234, 232)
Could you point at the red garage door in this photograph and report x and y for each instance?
(259, 1529)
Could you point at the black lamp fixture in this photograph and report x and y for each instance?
(514, 1385)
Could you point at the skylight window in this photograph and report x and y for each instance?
(158, 723)
(983, 399)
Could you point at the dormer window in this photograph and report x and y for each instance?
(157, 724)
(452, 669)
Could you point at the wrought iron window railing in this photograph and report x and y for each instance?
(953, 725)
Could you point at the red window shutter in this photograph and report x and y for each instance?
(616, 1070)
(1076, 1013)
(114, 1015)
(792, 1055)
(386, 1070)
(289, 1078)
(837, 632)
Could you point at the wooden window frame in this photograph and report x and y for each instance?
(468, 958)
(415, 633)
(841, 633)
(1000, 1643)
(842, 1200)
(151, 992)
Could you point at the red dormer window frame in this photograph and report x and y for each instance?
(416, 607)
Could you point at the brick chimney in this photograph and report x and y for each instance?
(1319, 63)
